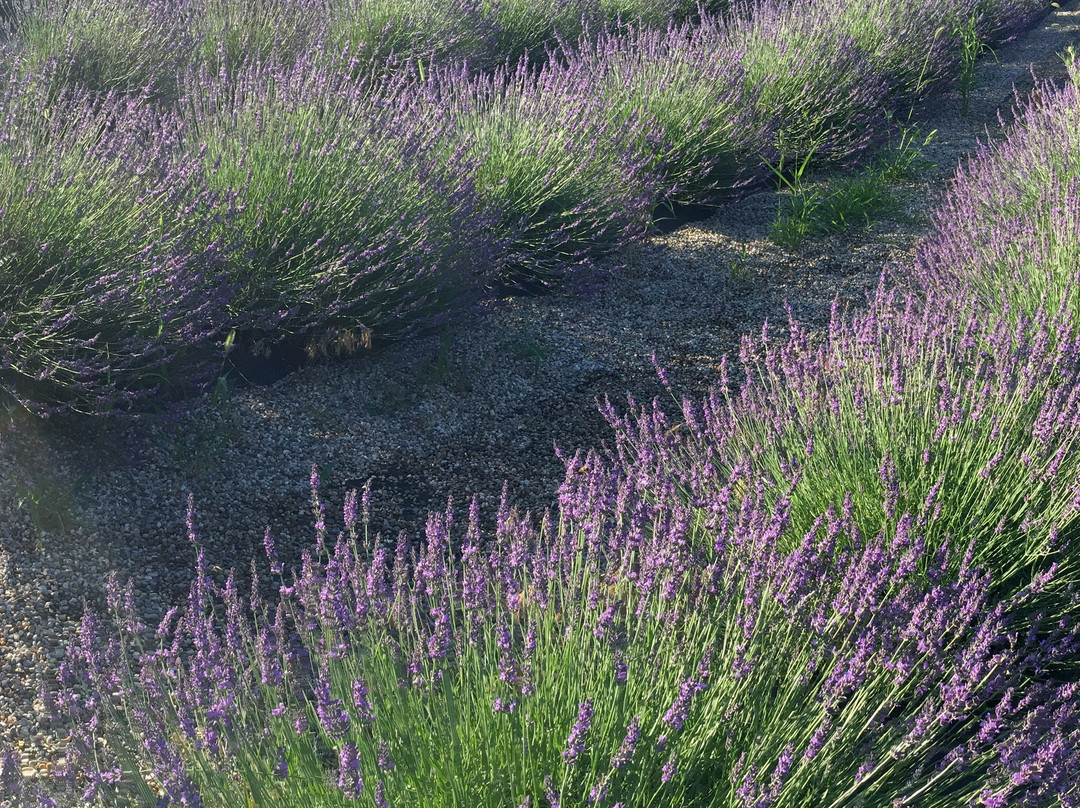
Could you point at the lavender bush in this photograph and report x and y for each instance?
(105, 298)
(637, 651)
(1003, 20)
(230, 34)
(851, 582)
(128, 46)
(118, 45)
(915, 45)
(690, 85)
(385, 32)
(530, 28)
(816, 88)
(516, 173)
(655, 13)
(569, 181)
(931, 409)
(349, 214)
(1008, 230)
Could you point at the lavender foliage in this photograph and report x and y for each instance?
(352, 221)
(106, 297)
(1008, 230)
(125, 46)
(567, 180)
(816, 90)
(852, 667)
(230, 36)
(690, 87)
(925, 410)
(315, 179)
(392, 33)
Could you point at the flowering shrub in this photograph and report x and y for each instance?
(1009, 229)
(848, 580)
(966, 422)
(349, 213)
(914, 44)
(689, 85)
(529, 29)
(650, 13)
(569, 181)
(299, 174)
(127, 46)
(230, 35)
(105, 297)
(404, 31)
(853, 669)
(816, 88)
(1005, 19)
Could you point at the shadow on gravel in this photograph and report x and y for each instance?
(668, 219)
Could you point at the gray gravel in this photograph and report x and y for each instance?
(449, 415)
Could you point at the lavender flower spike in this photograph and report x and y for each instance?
(350, 780)
(575, 743)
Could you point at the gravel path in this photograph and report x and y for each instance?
(450, 415)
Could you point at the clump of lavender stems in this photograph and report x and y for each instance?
(852, 667)
(281, 218)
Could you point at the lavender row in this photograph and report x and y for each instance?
(1008, 229)
(641, 651)
(140, 241)
(126, 46)
(315, 198)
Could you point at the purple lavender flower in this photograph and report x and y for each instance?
(360, 700)
(350, 781)
(598, 793)
(380, 795)
(679, 710)
(384, 761)
(780, 773)
(549, 792)
(661, 372)
(620, 670)
(333, 716)
(193, 537)
(350, 511)
(271, 553)
(168, 766)
(267, 651)
(318, 509)
(575, 742)
(300, 723)
(626, 749)
(817, 740)
(669, 769)
(11, 779)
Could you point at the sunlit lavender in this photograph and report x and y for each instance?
(715, 655)
(485, 144)
(1008, 229)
